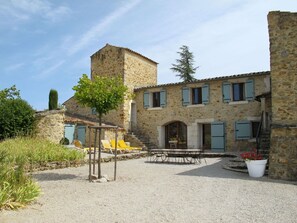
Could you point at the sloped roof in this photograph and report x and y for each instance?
(127, 49)
(264, 73)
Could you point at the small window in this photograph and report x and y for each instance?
(238, 92)
(196, 96)
(156, 99)
(255, 127)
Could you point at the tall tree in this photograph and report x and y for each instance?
(102, 93)
(53, 100)
(185, 65)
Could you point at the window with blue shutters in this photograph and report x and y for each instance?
(205, 94)
(163, 98)
(249, 90)
(238, 91)
(195, 96)
(185, 96)
(242, 130)
(146, 99)
(155, 99)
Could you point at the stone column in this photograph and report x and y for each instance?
(283, 63)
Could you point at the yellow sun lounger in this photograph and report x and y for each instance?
(122, 144)
(109, 147)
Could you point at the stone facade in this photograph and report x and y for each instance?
(135, 70)
(153, 121)
(283, 62)
(50, 125)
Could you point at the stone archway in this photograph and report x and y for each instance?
(176, 131)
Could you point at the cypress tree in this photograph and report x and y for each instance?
(53, 100)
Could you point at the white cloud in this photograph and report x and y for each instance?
(26, 9)
(49, 70)
(97, 30)
(14, 67)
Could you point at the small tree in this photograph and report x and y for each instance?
(185, 65)
(53, 100)
(9, 93)
(102, 93)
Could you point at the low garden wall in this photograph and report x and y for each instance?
(50, 125)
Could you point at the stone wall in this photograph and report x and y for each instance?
(50, 125)
(283, 62)
(151, 121)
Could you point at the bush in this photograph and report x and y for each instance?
(53, 100)
(64, 141)
(16, 118)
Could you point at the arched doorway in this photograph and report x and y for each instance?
(176, 131)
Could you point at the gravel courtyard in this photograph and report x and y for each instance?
(153, 192)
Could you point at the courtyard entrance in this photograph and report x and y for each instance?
(176, 135)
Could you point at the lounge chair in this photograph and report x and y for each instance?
(121, 148)
(109, 147)
(122, 144)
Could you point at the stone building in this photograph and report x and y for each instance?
(221, 114)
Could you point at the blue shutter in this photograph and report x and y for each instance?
(163, 98)
(93, 111)
(146, 99)
(69, 132)
(242, 130)
(226, 92)
(218, 136)
(205, 94)
(249, 90)
(81, 134)
(186, 96)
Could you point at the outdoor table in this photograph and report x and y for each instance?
(185, 155)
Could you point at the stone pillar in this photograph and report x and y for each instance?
(283, 63)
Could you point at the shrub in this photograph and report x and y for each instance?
(64, 141)
(16, 188)
(53, 100)
(16, 118)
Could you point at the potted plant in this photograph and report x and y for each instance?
(255, 163)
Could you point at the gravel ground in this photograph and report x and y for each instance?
(153, 192)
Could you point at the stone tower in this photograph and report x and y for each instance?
(283, 64)
(135, 69)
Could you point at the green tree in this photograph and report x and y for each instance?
(185, 65)
(9, 93)
(53, 100)
(102, 93)
(16, 118)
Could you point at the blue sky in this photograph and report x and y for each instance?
(47, 44)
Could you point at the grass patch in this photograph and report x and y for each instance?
(17, 187)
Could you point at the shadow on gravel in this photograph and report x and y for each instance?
(53, 176)
(216, 171)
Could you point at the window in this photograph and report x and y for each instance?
(255, 127)
(196, 96)
(238, 91)
(246, 129)
(156, 99)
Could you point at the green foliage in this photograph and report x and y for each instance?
(53, 100)
(16, 188)
(102, 93)
(38, 151)
(185, 65)
(16, 118)
(9, 93)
